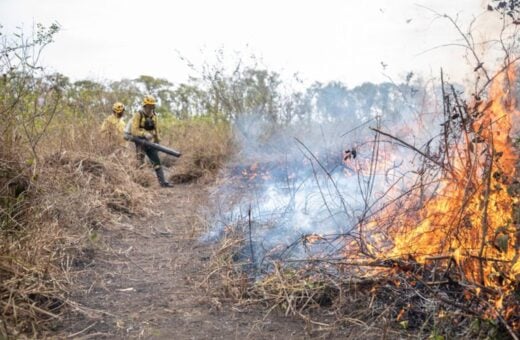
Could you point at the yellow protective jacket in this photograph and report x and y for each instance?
(138, 125)
(113, 129)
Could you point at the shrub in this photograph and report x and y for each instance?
(206, 142)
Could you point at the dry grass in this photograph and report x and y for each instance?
(55, 204)
(51, 212)
(332, 300)
(442, 295)
(205, 145)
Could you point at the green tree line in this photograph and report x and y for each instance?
(31, 98)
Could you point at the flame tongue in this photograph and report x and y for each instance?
(471, 216)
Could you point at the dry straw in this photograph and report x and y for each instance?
(52, 209)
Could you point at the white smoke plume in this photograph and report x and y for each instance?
(296, 192)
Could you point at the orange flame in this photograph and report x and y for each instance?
(312, 238)
(471, 217)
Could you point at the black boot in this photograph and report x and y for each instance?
(160, 176)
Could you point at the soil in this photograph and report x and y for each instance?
(142, 280)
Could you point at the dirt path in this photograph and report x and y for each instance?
(145, 283)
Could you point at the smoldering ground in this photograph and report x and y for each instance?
(299, 191)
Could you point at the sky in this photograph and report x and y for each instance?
(343, 40)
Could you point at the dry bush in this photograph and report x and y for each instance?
(325, 306)
(53, 209)
(205, 143)
(227, 279)
(333, 301)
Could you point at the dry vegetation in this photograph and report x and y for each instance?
(53, 207)
(207, 142)
(452, 269)
(61, 182)
(50, 213)
(52, 210)
(335, 298)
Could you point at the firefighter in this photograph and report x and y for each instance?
(113, 126)
(144, 125)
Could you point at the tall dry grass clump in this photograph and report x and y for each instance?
(206, 143)
(53, 206)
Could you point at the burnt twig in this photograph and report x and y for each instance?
(402, 142)
(251, 237)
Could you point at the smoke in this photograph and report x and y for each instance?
(299, 191)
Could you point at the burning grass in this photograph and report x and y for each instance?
(437, 259)
(375, 299)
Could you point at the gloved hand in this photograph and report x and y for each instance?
(148, 136)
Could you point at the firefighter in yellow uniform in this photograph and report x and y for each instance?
(113, 126)
(144, 125)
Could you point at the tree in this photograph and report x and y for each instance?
(127, 92)
(86, 97)
(333, 101)
(159, 88)
(189, 101)
(28, 99)
(510, 8)
(244, 92)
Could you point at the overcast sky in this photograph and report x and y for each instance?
(346, 40)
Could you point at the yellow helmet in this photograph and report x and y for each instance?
(118, 107)
(149, 100)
